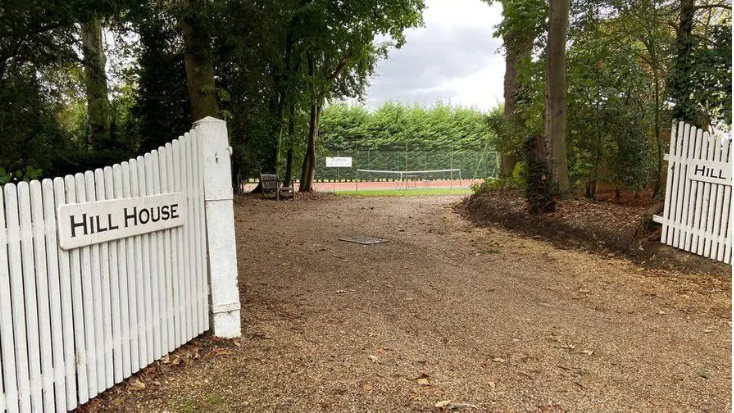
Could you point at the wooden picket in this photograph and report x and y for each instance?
(697, 210)
(75, 322)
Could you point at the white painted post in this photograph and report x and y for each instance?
(219, 209)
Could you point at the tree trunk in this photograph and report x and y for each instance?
(658, 188)
(313, 134)
(590, 189)
(304, 172)
(276, 136)
(509, 159)
(555, 94)
(95, 81)
(680, 82)
(291, 140)
(199, 62)
(282, 81)
(539, 192)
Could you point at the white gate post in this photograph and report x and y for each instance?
(221, 242)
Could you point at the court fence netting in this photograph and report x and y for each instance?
(401, 165)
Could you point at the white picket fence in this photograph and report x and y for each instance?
(75, 322)
(697, 211)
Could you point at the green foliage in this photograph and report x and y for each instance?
(160, 103)
(625, 68)
(700, 83)
(497, 184)
(395, 126)
(539, 190)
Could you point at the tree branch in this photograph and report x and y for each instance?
(712, 6)
(340, 67)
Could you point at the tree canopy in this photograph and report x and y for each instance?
(88, 83)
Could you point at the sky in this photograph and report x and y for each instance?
(453, 58)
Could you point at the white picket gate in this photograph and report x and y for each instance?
(74, 322)
(697, 211)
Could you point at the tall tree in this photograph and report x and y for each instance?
(555, 93)
(341, 52)
(522, 24)
(198, 59)
(697, 64)
(683, 64)
(161, 105)
(95, 81)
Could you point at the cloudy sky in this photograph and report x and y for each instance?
(453, 58)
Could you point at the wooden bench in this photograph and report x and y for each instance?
(270, 183)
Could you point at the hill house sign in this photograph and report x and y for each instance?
(101, 221)
(710, 171)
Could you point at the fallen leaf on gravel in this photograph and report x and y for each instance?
(442, 403)
(587, 352)
(498, 360)
(423, 382)
(661, 312)
(656, 402)
(367, 388)
(372, 358)
(135, 385)
(459, 406)
(219, 351)
(492, 384)
(702, 374)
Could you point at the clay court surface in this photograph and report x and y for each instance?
(363, 186)
(447, 317)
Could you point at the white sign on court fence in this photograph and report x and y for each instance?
(97, 222)
(339, 162)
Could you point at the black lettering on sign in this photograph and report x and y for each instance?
(147, 216)
(153, 216)
(99, 226)
(75, 225)
(109, 223)
(165, 213)
(134, 217)
(174, 211)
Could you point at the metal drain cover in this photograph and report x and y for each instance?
(363, 239)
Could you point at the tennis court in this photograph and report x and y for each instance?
(383, 185)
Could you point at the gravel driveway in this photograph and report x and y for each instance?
(448, 317)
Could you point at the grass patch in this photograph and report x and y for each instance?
(405, 192)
